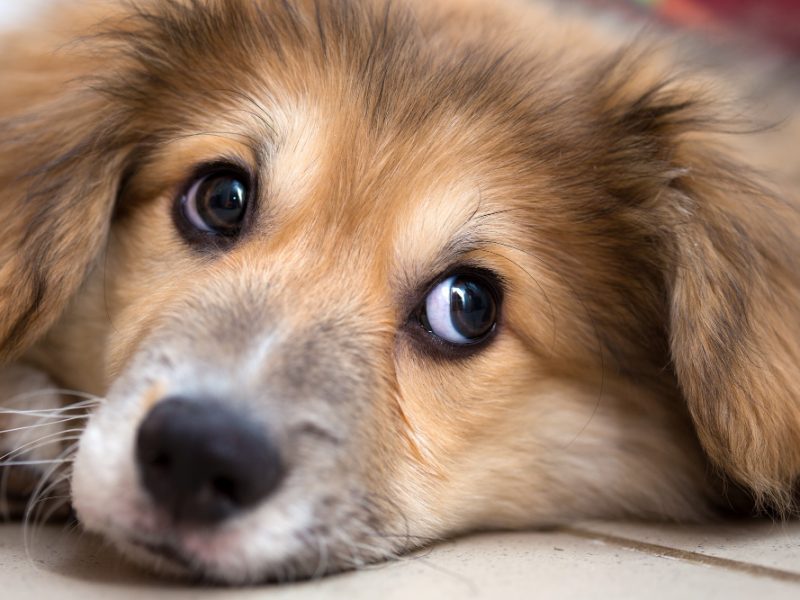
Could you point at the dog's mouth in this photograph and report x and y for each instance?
(174, 556)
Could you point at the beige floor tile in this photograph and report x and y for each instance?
(765, 543)
(524, 565)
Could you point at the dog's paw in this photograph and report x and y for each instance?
(34, 434)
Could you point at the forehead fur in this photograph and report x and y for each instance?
(402, 115)
(375, 54)
(380, 72)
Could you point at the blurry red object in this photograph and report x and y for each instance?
(775, 22)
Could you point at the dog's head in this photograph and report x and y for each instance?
(361, 276)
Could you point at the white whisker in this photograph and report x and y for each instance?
(53, 391)
(33, 463)
(43, 517)
(39, 425)
(46, 483)
(53, 413)
(45, 440)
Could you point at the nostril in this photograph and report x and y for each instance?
(160, 461)
(225, 487)
(203, 462)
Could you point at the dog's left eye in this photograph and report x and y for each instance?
(461, 309)
(217, 203)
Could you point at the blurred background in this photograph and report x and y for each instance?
(773, 25)
(12, 11)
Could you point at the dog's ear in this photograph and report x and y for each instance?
(734, 282)
(59, 170)
(729, 247)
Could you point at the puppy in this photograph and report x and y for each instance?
(341, 278)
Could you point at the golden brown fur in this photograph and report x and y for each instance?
(651, 313)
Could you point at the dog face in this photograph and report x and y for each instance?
(377, 275)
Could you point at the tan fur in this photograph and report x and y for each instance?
(651, 315)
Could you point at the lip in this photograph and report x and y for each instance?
(166, 551)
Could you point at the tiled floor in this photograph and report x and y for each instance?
(592, 560)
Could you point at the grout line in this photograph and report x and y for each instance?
(685, 555)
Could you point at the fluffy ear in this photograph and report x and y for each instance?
(59, 168)
(728, 243)
(735, 319)
(733, 283)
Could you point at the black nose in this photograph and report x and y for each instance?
(203, 462)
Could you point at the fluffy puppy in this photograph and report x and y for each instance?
(350, 276)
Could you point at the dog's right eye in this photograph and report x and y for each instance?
(461, 309)
(217, 203)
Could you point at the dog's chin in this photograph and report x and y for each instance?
(162, 558)
(234, 554)
(220, 556)
(169, 557)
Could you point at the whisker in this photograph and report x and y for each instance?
(38, 425)
(54, 483)
(53, 392)
(42, 519)
(33, 463)
(45, 499)
(44, 496)
(45, 440)
(46, 483)
(85, 399)
(15, 457)
(47, 413)
(63, 500)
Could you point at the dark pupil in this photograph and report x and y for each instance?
(221, 202)
(472, 308)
